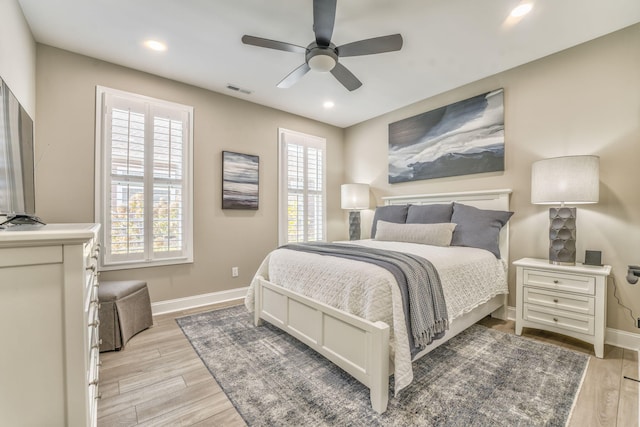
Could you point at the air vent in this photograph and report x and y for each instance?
(238, 89)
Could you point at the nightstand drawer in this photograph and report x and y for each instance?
(561, 301)
(560, 281)
(559, 319)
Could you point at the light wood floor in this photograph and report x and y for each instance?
(158, 379)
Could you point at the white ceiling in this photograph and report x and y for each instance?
(447, 43)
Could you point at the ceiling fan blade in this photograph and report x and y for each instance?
(294, 76)
(324, 16)
(371, 46)
(272, 44)
(346, 77)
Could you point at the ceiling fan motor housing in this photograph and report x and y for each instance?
(322, 55)
(321, 58)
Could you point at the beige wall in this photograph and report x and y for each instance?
(18, 55)
(585, 100)
(66, 85)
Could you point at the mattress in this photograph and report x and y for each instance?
(469, 277)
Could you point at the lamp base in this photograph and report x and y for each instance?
(354, 225)
(562, 236)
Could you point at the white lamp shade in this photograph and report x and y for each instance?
(571, 179)
(355, 196)
(322, 63)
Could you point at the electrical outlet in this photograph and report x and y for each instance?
(234, 272)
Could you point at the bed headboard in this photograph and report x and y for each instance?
(484, 199)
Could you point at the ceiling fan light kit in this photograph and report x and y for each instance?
(322, 59)
(322, 55)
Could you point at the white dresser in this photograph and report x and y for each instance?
(570, 300)
(49, 326)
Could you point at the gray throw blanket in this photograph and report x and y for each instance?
(422, 297)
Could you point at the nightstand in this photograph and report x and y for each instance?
(569, 300)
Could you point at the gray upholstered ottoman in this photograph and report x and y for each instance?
(125, 310)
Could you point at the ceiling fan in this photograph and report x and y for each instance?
(322, 55)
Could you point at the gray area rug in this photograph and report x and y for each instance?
(482, 377)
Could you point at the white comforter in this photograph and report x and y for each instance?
(469, 276)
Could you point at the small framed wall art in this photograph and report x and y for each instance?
(240, 181)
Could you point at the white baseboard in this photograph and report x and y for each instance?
(179, 304)
(622, 339)
(511, 313)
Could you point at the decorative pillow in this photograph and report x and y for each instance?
(429, 214)
(478, 228)
(391, 213)
(427, 234)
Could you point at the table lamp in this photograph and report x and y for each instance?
(571, 180)
(354, 197)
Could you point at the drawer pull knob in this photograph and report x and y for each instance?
(556, 281)
(555, 319)
(98, 397)
(555, 300)
(92, 267)
(95, 324)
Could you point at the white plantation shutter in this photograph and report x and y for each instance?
(168, 186)
(302, 210)
(143, 179)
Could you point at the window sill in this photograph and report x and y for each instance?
(137, 264)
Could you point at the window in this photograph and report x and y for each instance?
(302, 202)
(143, 180)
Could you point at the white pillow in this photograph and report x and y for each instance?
(428, 234)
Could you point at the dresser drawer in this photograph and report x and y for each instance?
(559, 300)
(560, 281)
(91, 250)
(93, 328)
(94, 366)
(93, 384)
(90, 291)
(94, 395)
(560, 319)
(90, 272)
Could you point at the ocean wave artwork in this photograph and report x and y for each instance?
(466, 137)
(239, 181)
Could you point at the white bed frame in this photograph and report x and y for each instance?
(356, 345)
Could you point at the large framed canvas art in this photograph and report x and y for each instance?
(239, 181)
(462, 138)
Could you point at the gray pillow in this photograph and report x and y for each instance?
(427, 234)
(478, 228)
(391, 213)
(429, 214)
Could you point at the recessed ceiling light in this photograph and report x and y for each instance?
(328, 104)
(155, 45)
(521, 10)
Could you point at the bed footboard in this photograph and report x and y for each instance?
(356, 345)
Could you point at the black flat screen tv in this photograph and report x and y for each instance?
(17, 175)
